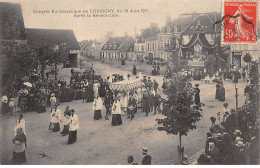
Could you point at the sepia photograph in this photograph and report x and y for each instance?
(129, 82)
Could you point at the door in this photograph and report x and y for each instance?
(73, 59)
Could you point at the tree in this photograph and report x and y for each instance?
(16, 61)
(59, 56)
(50, 54)
(178, 109)
(247, 58)
(175, 59)
(222, 54)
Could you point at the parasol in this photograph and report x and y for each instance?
(25, 78)
(27, 84)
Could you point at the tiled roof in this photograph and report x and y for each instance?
(186, 21)
(39, 37)
(11, 22)
(122, 44)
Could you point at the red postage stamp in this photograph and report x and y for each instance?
(240, 22)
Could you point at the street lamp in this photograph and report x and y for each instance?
(236, 96)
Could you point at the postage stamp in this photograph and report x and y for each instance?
(239, 22)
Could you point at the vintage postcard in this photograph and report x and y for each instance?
(129, 82)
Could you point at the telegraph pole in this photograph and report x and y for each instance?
(236, 96)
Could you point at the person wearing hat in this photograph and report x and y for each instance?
(55, 119)
(146, 104)
(209, 139)
(20, 124)
(147, 159)
(97, 107)
(156, 102)
(197, 94)
(19, 142)
(130, 160)
(65, 121)
(132, 105)
(213, 153)
(73, 127)
(116, 112)
(107, 102)
(53, 101)
(223, 112)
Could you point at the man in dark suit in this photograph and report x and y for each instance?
(147, 159)
(130, 160)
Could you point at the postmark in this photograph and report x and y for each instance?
(239, 22)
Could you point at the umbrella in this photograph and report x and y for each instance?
(27, 84)
(216, 80)
(25, 78)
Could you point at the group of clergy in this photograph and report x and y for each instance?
(70, 121)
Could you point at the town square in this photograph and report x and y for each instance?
(146, 87)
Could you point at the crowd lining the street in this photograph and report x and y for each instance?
(227, 143)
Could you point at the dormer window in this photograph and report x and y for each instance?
(114, 46)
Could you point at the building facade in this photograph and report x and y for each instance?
(164, 41)
(117, 48)
(140, 50)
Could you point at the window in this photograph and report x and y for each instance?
(168, 42)
(153, 46)
(142, 48)
(148, 46)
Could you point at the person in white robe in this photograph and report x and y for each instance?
(55, 119)
(95, 88)
(116, 112)
(97, 107)
(20, 124)
(73, 127)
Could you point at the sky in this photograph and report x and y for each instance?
(86, 28)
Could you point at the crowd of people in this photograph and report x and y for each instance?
(233, 138)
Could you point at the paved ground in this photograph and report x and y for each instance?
(100, 143)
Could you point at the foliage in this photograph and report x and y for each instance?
(180, 116)
(176, 66)
(247, 57)
(222, 54)
(16, 61)
(51, 54)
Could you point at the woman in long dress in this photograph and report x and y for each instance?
(97, 107)
(19, 147)
(116, 112)
(197, 94)
(53, 101)
(55, 119)
(73, 127)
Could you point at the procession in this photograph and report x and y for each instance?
(173, 93)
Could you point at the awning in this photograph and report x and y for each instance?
(127, 84)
